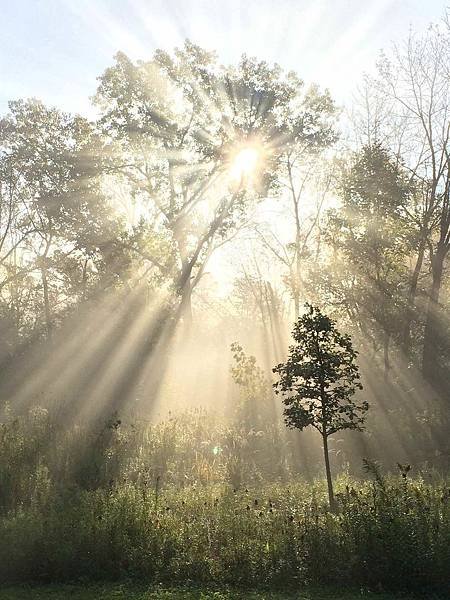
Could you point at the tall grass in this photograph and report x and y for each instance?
(395, 536)
(156, 504)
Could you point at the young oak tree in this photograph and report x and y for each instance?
(318, 381)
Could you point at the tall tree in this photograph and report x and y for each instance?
(58, 227)
(414, 82)
(196, 142)
(304, 202)
(370, 240)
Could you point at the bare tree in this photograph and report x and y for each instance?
(307, 185)
(406, 108)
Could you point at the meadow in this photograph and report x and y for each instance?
(105, 516)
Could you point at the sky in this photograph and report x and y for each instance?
(55, 49)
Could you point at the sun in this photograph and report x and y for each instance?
(244, 163)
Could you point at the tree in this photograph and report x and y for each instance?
(255, 406)
(413, 86)
(318, 381)
(56, 226)
(304, 200)
(176, 124)
(370, 242)
(259, 301)
(308, 174)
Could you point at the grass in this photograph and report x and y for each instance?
(393, 535)
(121, 520)
(132, 592)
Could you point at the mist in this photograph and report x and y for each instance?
(224, 288)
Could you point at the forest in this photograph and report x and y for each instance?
(225, 332)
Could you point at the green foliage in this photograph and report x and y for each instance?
(320, 377)
(193, 499)
(57, 231)
(392, 537)
(180, 119)
(371, 236)
(38, 455)
(256, 401)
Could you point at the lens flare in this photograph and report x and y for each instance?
(244, 164)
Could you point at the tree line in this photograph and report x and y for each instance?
(140, 199)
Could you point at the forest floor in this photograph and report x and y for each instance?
(130, 592)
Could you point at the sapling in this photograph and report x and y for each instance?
(318, 382)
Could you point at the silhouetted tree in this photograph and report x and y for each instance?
(318, 381)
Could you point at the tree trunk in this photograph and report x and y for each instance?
(47, 312)
(84, 280)
(328, 472)
(296, 301)
(186, 304)
(297, 276)
(387, 364)
(411, 301)
(432, 333)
